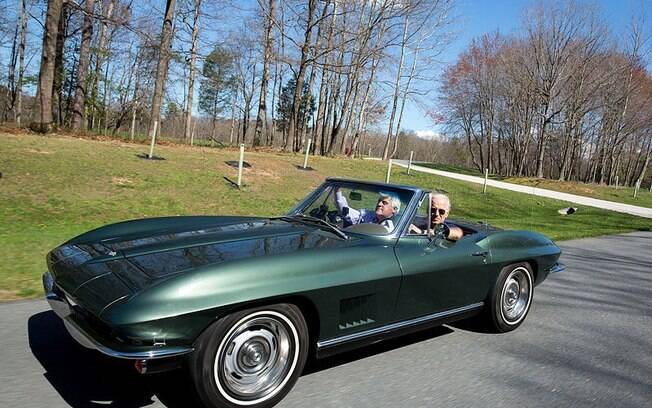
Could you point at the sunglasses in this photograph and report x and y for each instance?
(384, 202)
(439, 211)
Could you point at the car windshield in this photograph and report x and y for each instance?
(357, 207)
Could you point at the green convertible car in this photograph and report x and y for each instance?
(243, 301)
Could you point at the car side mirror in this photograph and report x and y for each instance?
(438, 235)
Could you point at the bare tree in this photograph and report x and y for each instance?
(192, 70)
(305, 49)
(43, 122)
(162, 68)
(79, 108)
(261, 116)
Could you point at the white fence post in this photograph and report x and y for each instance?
(305, 161)
(192, 134)
(389, 170)
(486, 176)
(151, 146)
(410, 162)
(240, 165)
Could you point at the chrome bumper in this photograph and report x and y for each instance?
(558, 267)
(62, 308)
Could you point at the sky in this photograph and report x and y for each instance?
(477, 17)
(472, 19)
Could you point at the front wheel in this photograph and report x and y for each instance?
(511, 297)
(250, 358)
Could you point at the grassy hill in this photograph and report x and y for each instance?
(55, 187)
(620, 195)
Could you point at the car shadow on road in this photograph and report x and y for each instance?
(316, 365)
(85, 378)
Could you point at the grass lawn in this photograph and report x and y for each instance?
(620, 195)
(53, 188)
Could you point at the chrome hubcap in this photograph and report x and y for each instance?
(256, 358)
(516, 295)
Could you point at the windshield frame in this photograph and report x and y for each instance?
(407, 208)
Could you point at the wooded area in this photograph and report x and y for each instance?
(563, 98)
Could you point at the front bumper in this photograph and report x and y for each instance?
(89, 338)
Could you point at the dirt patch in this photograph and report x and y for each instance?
(122, 181)
(266, 174)
(38, 151)
(9, 295)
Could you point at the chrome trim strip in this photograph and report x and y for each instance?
(558, 267)
(396, 326)
(62, 309)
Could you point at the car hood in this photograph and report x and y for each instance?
(114, 262)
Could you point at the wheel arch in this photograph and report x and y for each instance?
(306, 306)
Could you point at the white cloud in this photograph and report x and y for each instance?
(427, 134)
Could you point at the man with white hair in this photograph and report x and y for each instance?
(386, 207)
(440, 206)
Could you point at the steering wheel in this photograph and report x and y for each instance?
(320, 212)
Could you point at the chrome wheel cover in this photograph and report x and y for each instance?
(256, 358)
(516, 296)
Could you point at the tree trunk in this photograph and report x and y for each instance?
(298, 90)
(397, 87)
(43, 120)
(99, 58)
(261, 116)
(59, 69)
(191, 76)
(162, 67)
(322, 109)
(79, 107)
(18, 110)
(405, 95)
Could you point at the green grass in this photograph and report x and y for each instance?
(621, 195)
(53, 188)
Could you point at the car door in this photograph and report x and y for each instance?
(439, 275)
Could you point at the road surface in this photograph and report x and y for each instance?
(586, 343)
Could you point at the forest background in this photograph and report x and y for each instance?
(564, 94)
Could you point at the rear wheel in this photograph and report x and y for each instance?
(511, 297)
(250, 358)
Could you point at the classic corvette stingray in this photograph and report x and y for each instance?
(244, 300)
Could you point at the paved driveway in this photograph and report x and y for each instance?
(571, 198)
(586, 343)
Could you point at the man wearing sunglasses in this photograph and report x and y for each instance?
(440, 206)
(386, 207)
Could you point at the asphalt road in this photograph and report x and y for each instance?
(587, 342)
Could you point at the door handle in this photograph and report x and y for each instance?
(480, 253)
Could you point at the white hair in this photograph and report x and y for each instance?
(440, 196)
